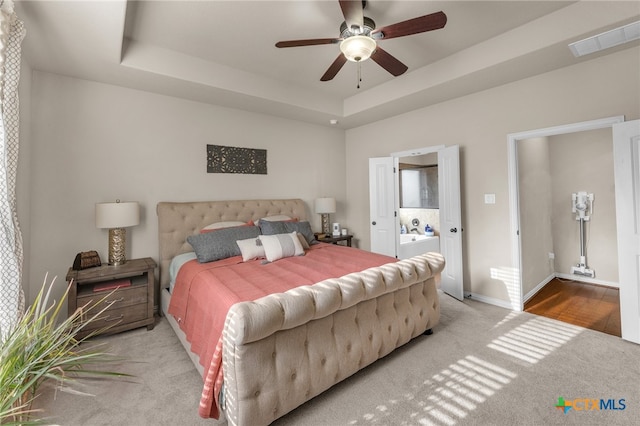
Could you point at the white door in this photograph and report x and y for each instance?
(626, 157)
(450, 220)
(382, 206)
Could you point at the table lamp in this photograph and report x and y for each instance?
(116, 217)
(324, 206)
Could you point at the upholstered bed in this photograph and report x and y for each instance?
(283, 349)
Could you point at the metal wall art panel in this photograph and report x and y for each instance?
(229, 159)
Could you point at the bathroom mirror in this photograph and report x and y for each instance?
(418, 186)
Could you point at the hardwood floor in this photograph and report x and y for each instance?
(592, 306)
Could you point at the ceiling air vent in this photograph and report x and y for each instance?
(615, 37)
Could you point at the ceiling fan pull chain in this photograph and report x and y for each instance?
(359, 75)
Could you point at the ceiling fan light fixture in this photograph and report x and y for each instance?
(358, 48)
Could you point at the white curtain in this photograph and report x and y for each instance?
(12, 33)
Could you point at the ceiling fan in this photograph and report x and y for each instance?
(359, 38)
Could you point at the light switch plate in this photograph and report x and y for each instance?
(489, 198)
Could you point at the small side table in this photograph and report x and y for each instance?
(336, 240)
(129, 288)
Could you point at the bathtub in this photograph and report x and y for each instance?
(415, 244)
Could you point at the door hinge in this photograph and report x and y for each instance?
(394, 169)
(395, 213)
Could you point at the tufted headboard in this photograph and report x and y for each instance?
(176, 221)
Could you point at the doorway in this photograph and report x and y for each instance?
(608, 273)
(569, 255)
(384, 205)
(518, 294)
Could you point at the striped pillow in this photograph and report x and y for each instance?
(279, 246)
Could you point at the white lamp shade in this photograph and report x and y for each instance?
(325, 205)
(117, 215)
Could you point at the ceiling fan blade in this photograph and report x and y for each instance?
(353, 13)
(388, 62)
(309, 42)
(334, 68)
(431, 22)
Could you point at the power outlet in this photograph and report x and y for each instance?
(552, 255)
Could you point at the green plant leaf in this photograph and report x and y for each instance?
(41, 346)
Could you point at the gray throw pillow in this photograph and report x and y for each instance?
(220, 244)
(286, 227)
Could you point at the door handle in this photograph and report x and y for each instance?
(454, 230)
(373, 223)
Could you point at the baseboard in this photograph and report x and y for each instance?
(537, 288)
(587, 280)
(507, 304)
(491, 301)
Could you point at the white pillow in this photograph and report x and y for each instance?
(176, 264)
(279, 246)
(251, 248)
(276, 218)
(221, 225)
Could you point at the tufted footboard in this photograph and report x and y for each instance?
(284, 349)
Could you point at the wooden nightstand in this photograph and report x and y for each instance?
(133, 301)
(335, 240)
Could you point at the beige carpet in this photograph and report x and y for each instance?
(482, 366)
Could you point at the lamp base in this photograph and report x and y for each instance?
(325, 223)
(117, 244)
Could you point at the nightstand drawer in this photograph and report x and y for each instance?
(130, 305)
(116, 317)
(120, 298)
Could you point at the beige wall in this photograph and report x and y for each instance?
(480, 123)
(91, 142)
(94, 142)
(536, 213)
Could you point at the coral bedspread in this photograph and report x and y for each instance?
(204, 292)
